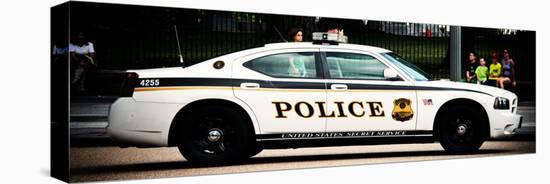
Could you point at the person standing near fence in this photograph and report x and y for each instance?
(495, 70)
(508, 71)
(297, 66)
(296, 35)
(333, 28)
(471, 67)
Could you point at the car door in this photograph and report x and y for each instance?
(283, 88)
(361, 99)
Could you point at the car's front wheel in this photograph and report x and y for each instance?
(214, 135)
(460, 129)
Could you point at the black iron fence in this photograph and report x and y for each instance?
(132, 37)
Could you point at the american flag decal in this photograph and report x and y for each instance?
(427, 101)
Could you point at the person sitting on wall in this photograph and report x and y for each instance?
(481, 72)
(82, 55)
(471, 67)
(495, 70)
(508, 71)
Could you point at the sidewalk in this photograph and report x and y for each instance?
(89, 117)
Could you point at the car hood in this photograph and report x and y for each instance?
(496, 92)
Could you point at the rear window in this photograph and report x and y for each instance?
(285, 65)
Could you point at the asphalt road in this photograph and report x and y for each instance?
(113, 163)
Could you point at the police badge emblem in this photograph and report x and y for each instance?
(402, 110)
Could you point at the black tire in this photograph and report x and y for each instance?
(198, 147)
(461, 130)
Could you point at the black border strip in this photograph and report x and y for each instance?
(166, 82)
(337, 135)
(225, 82)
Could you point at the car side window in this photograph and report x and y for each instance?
(354, 66)
(286, 65)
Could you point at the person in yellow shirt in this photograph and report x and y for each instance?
(495, 70)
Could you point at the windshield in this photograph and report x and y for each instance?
(412, 70)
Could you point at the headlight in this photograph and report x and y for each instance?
(502, 103)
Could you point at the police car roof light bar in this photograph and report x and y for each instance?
(329, 38)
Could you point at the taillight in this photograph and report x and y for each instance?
(128, 84)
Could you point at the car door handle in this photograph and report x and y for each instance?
(338, 87)
(250, 85)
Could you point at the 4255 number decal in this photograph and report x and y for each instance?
(149, 82)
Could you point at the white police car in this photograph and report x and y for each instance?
(290, 95)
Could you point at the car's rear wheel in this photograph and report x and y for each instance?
(214, 135)
(460, 129)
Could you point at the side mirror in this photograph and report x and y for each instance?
(391, 74)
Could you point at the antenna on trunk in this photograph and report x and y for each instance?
(279, 33)
(179, 47)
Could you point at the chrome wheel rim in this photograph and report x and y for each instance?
(215, 135)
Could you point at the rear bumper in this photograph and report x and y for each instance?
(142, 124)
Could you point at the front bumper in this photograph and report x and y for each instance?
(505, 124)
